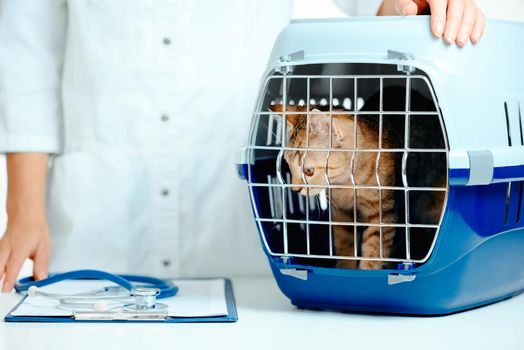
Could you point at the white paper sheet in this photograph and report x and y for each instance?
(195, 298)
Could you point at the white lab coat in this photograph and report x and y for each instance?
(143, 105)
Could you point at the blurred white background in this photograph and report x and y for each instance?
(503, 9)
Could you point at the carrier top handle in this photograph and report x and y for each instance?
(484, 167)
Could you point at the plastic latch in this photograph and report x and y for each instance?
(396, 278)
(241, 163)
(242, 171)
(295, 56)
(406, 266)
(297, 273)
(404, 58)
(284, 65)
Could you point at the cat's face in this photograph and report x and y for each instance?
(317, 166)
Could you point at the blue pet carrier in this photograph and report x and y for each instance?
(382, 68)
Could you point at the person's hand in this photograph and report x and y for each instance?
(457, 21)
(27, 234)
(25, 237)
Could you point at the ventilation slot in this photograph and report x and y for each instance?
(521, 127)
(515, 191)
(508, 125)
(521, 184)
(519, 206)
(508, 192)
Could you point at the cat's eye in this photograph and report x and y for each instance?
(309, 171)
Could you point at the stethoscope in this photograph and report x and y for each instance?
(131, 293)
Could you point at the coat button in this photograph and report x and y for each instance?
(165, 192)
(164, 118)
(166, 262)
(166, 41)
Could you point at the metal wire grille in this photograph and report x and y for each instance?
(296, 223)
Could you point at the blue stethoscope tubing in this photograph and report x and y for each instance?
(167, 289)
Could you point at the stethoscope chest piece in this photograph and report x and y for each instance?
(145, 300)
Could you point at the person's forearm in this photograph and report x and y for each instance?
(26, 184)
(27, 234)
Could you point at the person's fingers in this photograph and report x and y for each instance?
(468, 21)
(41, 261)
(438, 16)
(4, 255)
(478, 28)
(406, 7)
(453, 19)
(14, 264)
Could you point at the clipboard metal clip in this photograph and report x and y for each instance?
(150, 315)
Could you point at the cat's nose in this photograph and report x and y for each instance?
(297, 184)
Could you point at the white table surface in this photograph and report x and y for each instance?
(267, 320)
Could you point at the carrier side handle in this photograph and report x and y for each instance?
(484, 167)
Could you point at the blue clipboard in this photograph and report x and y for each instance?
(232, 315)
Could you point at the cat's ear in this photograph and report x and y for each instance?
(320, 125)
(337, 130)
(291, 119)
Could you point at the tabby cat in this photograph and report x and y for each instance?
(338, 163)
